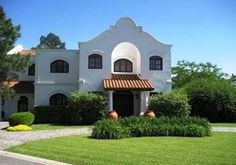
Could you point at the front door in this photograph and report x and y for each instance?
(123, 103)
(23, 104)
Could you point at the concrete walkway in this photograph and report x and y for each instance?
(224, 129)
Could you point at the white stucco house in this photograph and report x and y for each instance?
(124, 62)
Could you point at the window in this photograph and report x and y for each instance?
(59, 66)
(155, 63)
(95, 61)
(31, 70)
(3, 100)
(58, 99)
(123, 65)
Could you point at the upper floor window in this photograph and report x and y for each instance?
(123, 65)
(155, 63)
(95, 61)
(59, 66)
(31, 70)
(58, 99)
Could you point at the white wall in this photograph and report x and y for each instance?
(47, 83)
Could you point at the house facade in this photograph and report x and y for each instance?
(124, 63)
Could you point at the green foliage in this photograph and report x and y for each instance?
(51, 41)
(89, 107)
(8, 35)
(50, 114)
(109, 129)
(140, 126)
(24, 118)
(215, 100)
(170, 104)
(186, 71)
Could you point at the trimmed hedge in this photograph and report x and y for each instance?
(140, 126)
(21, 118)
(214, 100)
(170, 104)
(50, 114)
(85, 107)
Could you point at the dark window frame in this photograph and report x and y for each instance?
(58, 99)
(31, 70)
(59, 66)
(95, 61)
(155, 63)
(119, 68)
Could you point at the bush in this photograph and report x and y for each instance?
(89, 107)
(140, 126)
(215, 100)
(50, 114)
(109, 129)
(170, 104)
(19, 128)
(25, 118)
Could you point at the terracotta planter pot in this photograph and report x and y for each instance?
(112, 115)
(149, 114)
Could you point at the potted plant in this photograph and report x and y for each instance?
(112, 115)
(149, 114)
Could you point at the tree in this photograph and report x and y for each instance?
(186, 71)
(51, 41)
(8, 35)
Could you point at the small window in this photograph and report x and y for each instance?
(3, 100)
(155, 63)
(95, 61)
(58, 99)
(31, 70)
(123, 65)
(59, 66)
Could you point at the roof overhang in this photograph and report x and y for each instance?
(126, 82)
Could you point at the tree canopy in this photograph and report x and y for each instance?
(186, 71)
(51, 41)
(8, 35)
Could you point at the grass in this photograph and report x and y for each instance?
(37, 127)
(223, 124)
(217, 149)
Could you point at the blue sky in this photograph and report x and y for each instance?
(199, 30)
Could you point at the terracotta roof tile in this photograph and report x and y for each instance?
(19, 86)
(28, 52)
(126, 82)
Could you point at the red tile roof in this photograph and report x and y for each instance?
(126, 82)
(19, 86)
(28, 52)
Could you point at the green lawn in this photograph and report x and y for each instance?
(36, 127)
(220, 148)
(223, 124)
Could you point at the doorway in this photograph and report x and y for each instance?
(123, 103)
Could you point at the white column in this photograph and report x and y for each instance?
(110, 100)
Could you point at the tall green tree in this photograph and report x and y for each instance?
(8, 35)
(186, 71)
(51, 41)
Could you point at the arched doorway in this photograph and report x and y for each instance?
(22, 105)
(123, 103)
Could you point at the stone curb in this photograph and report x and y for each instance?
(31, 158)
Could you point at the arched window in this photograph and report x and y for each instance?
(58, 99)
(95, 61)
(31, 70)
(155, 63)
(59, 66)
(123, 65)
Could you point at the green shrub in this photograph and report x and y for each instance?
(50, 114)
(21, 118)
(214, 100)
(170, 104)
(109, 129)
(140, 126)
(90, 107)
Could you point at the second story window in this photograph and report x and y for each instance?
(31, 70)
(59, 66)
(95, 61)
(123, 65)
(155, 63)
